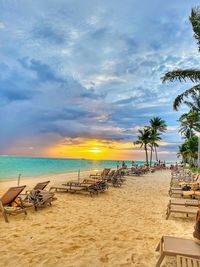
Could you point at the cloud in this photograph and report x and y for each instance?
(91, 70)
(2, 25)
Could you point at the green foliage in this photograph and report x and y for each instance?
(149, 135)
(189, 150)
(188, 74)
(195, 21)
(190, 122)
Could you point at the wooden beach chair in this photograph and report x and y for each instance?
(99, 185)
(117, 180)
(38, 186)
(181, 209)
(40, 198)
(103, 174)
(184, 202)
(182, 261)
(181, 193)
(41, 186)
(11, 203)
(177, 190)
(91, 189)
(196, 194)
(173, 246)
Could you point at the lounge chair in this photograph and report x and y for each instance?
(7, 200)
(173, 246)
(98, 185)
(182, 193)
(38, 186)
(193, 194)
(184, 202)
(40, 198)
(41, 186)
(117, 180)
(176, 190)
(103, 174)
(182, 261)
(91, 189)
(181, 209)
(37, 197)
(134, 172)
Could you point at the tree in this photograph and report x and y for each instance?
(188, 74)
(154, 136)
(157, 125)
(189, 150)
(144, 138)
(190, 122)
(194, 105)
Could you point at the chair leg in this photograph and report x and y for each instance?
(168, 213)
(5, 217)
(159, 262)
(3, 212)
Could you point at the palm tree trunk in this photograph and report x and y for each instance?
(146, 153)
(156, 153)
(151, 155)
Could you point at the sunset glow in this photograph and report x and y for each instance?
(81, 85)
(98, 149)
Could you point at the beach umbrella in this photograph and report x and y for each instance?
(79, 176)
(18, 180)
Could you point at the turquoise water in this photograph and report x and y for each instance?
(11, 167)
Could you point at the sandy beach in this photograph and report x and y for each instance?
(120, 227)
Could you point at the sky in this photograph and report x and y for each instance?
(79, 78)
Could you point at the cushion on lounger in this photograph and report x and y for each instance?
(186, 188)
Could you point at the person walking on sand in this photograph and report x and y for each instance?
(118, 165)
(123, 164)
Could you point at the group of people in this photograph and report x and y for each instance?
(174, 167)
(135, 166)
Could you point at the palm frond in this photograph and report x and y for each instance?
(190, 105)
(195, 21)
(182, 75)
(179, 99)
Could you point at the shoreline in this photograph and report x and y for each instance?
(43, 176)
(30, 181)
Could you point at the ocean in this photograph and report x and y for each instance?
(11, 167)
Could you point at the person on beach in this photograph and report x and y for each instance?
(118, 165)
(196, 233)
(124, 165)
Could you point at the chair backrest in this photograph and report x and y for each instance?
(187, 262)
(105, 171)
(111, 174)
(12, 194)
(196, 178)
(41, 186)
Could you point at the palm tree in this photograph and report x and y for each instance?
(157, 125)
(195, 104)
(189, 150)
(143, 140)
(155, 136)
(190, 122)
(188, 74)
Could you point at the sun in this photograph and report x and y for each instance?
(95, 150)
